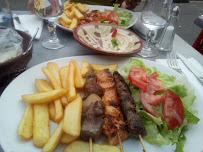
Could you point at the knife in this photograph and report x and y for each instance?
(192, 68)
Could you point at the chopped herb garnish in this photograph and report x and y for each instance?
(114, 42)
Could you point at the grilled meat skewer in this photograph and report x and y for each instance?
(113, 124)
(93, 112)
(92, 119)
(91, 86)
(128, 107)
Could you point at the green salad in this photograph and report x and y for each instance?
(124, 17)
(156, 128)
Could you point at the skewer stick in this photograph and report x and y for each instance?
(142, 142)
(120, 142)
(90, 140)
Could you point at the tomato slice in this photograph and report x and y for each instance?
(114, 33)
(146, 105)
(173, 110)
(106, 14)
(113, 17)
(138, 77)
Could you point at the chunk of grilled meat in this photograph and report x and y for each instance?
(91, 86)
(128, 107)
(113, 121)
(92, 17)
(92, 119)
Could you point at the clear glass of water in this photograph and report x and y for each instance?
(50, 10)
(155, 15)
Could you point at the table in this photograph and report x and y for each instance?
(73, 48)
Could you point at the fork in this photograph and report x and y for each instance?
(172, 62)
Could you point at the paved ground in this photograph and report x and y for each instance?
(188, 12)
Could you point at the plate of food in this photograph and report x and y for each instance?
(37, 113)
(76, 14)
(108, 39)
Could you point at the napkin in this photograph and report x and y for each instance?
(190, 76)
(30, 23)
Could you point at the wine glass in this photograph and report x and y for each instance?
(50, 10)
(154, 16)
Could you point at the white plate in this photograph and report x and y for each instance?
(102, 8)
(12, 108)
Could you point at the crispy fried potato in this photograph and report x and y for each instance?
(41, 131)
(58, 110)
(44, 97)
(66, 19)
(54, 139)
(53, 75)
(53, 68)
(79, 81)
(43, 85)
(73, 23)
(99, 67)
(66, 3)
(84, 68)
(63, 23)
(64, 75)
(69, 6)
(72, 117)
(77, 13)
(70, 83)
(81, 146)
(82, 8)
(66, 139)
(72, 15)
(51, 78)
(25, 126)
(52, 111)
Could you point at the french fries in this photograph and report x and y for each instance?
(72, 117)
(52, 112)
(84, 68)
(53, 68)
(47, 102)
(52, 72)
(81, 146)
(25, 126)
(70, 83)
(44, 97)
(73, 23)
(79, 81)
(43, 85)
(66, 138)
(99, 67)
(54, 139)
(72, 13)
(41, 130)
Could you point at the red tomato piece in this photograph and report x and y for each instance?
(114, 33)
(113, 17)
(138, 77)
(147, 106)
(173, 110)
(154, 83)
(106, 14)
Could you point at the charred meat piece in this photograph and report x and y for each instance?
(91, 86)
(113, 121)
(128, 107)
(92, 119)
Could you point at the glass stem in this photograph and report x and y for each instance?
(52, 29)
(149, 36)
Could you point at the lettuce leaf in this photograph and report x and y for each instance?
(156, 128)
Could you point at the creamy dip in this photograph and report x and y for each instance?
(101, 37)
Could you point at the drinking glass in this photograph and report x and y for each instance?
(154, 16)
(50, 10)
